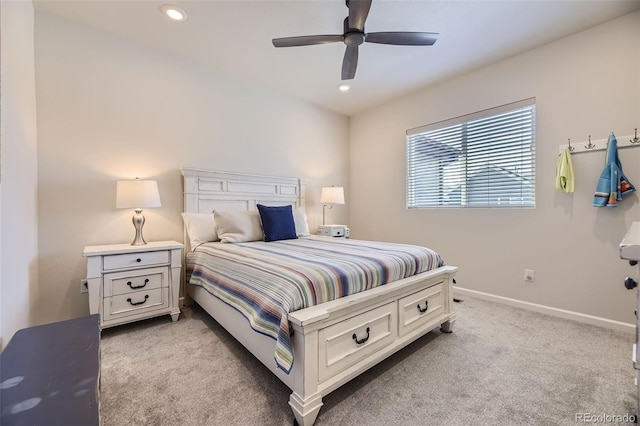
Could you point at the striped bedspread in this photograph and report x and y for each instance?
(266, 281)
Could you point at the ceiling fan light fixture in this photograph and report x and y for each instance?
(174, 12)
(344, 87)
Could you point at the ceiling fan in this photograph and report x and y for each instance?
(354, 36)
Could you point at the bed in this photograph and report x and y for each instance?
(316, 349)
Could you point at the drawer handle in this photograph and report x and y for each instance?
(133, 287)
(426, 306)
(138, 260)
(146, 296)
(360, 342)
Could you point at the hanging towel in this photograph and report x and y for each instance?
(564, 172)
(613, 184)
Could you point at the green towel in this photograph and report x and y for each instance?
(564, 172)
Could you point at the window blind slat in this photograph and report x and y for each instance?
(485, 159)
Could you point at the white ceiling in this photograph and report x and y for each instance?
(234, 37)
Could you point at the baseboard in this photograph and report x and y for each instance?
(561, 313)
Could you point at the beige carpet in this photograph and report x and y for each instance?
(501, 366)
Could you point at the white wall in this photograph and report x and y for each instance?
(586, 84)
(18, 206)
(110, 110)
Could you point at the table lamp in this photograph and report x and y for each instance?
(137, 194)
(329, 196)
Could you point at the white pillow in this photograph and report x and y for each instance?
(300, 219)
(201, 228)
(238, 226)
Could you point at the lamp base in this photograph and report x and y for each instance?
(323, 207)
(138, 222)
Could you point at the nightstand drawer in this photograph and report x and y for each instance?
(137, 280)
(136, 302)
(132, 260)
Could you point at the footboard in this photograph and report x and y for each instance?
(336, 341)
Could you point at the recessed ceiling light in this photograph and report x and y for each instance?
(174, 12)
(344, 87)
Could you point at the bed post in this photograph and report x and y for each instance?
(189, 204)
(447, 326)
(305, 411)
(302, 187)
(306, 399)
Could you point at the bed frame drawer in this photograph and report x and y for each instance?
(130, 260)
(419, 308)
(138, 280)
(135, 303)
(345, 343)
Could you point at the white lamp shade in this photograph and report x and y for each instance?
(332, 195)
(137, 194)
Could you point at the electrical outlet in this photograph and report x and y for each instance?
(529, 275)
(84, 286)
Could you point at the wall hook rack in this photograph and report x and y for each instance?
(626, 141)
(590, 146)
(635, 136)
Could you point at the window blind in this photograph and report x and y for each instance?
(485, 159)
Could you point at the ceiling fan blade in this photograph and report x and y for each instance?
(306, 40)
(358, 12)
(402, 38)
(349, 63)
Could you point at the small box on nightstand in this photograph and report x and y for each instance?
(333, 230)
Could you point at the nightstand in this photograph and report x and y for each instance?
(129, 283)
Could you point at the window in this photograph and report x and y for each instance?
(485, 159)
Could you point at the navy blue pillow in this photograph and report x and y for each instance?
(277, 223)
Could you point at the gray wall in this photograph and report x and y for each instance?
(110, 110)
(18, 199)
(586, 84)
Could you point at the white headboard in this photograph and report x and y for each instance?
(206, 190)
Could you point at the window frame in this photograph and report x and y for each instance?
(461, 146)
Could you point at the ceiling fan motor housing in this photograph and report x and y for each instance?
(352, 36)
